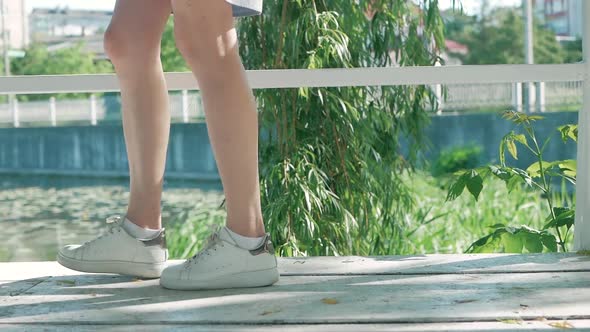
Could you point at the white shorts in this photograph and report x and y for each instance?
(246, 7)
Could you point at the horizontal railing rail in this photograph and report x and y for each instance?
(297, 78)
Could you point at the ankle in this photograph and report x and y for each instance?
(145, 220)
(245, 242)
(139, 232)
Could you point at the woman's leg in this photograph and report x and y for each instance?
(206, 37)
(132, 42)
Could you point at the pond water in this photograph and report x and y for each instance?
(38, 215)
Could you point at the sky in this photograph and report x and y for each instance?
(470, 6)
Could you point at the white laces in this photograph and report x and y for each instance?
(112, 223)
(212, 241)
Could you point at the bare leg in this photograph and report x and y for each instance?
(207, 39)
(132, 42)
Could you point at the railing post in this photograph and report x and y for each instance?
(582, 225)
(15, 115)
(517, 96)
(52, 111)
(93, 110)
(185, 106)
(540, 97)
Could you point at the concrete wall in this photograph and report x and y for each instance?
(100, 151)
(487, 130)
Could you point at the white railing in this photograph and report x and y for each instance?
(187, 106)
(552, 96)
(296, 78)
(183, 107)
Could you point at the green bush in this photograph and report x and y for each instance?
(457, 158)
(538, 176)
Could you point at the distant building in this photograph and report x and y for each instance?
(564, 17)
(63, 27)
(62, 23)
(17, 24)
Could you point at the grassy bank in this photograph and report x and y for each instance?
(436, 226)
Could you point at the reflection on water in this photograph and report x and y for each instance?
(38, 215)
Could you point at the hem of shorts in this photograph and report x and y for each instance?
(243, 12)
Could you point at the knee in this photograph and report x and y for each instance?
(123, 49)
(115, 45)
(190, 46)
(207, 48)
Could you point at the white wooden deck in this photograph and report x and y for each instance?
(497, 292)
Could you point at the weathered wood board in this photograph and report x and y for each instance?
(402, 293)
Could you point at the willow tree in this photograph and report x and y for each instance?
(332, 158)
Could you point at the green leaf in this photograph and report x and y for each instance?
(523, 175)
(512, 243)
(568, 167)
(549, 241)
(534, 170)
(532, 242)
(501, 172)
(512, 149)
(474, 184)
(521, 139)
(569, 132)
(563, 217)
(456, 188)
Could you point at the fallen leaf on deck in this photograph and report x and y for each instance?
(66, 282)
(511, 321)
(270, 312)
(465, 301)
(328, 300)
(562, 325)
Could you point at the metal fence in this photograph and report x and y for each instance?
(184, 106)
(547, 97)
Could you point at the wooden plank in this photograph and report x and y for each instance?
(333, 77)
(14, 288)
(436, 327)
(421, 264)
(382, 299)
(436, 264)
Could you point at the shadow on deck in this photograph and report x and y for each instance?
(476, 292)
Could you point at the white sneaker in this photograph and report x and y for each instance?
(116, 251)
(222, 264)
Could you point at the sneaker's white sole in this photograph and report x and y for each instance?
(258, 278)
(142, 270)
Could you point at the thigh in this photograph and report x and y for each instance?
(139, 22)
(204, 31)
(211, 18)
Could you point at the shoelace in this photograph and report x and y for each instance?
(212, 241)
(112, 223)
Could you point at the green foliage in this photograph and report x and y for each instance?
(457, 158)
(330, 165)
(38, 61)
(190, 229)
(573, 51)
(538, 176)
(172, 60)
(514, 240)
(498, 38)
